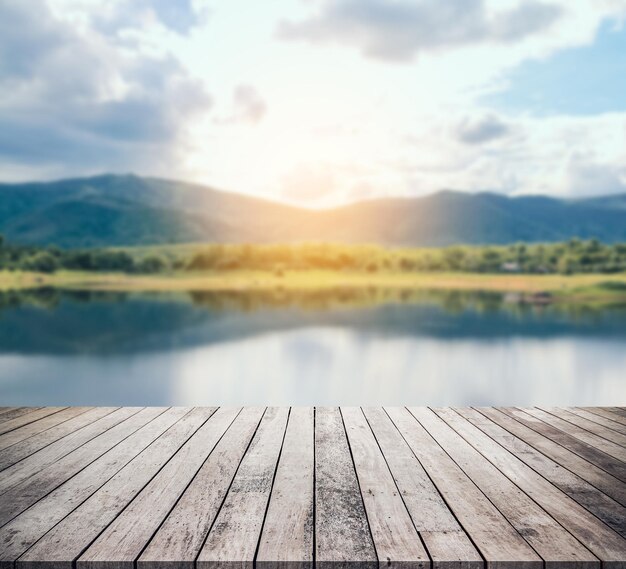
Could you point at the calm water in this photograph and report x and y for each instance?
(324, 349)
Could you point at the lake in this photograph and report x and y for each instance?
(325, 348)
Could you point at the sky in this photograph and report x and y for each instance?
(319, 102)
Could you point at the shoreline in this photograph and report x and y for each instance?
(533, 288)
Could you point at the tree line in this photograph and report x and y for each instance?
(573, 256)
(15, 257)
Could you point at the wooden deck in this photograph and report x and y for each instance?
(155, 488)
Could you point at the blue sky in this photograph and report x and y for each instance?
(585, 80)
(319, 102)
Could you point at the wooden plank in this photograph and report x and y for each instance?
(598, 418)
(14, 412)
(499, 543)
(130, 490)
(342, 535)
(25, 448)
(447, 544)
(53, 453)
(287, 536)
(595, 441)
(395, 538)
(608, 510)
(596, 536)
(597, 477)
(150, 490)
(588, 452)
(591, 427)
(606, 412)
(24, 530)
(233, 537)
(31, 417)
(621, 411)
(179, 459)
(31, 429)
(179, 540)
(28, 491)
(553, 543)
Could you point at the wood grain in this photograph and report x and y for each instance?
(606, 544)
(562, 455)
(36, 427)
(88, 444)
(131, 465)
(608, 412)
(395, 538)
(547, 537)
(12, 412)
(26, 419)
(608, 510)
(188, 443)
(233, 536)
(497, 540)
(178, 541)
(343, 538)
(21, 450)
(597, 442)
(287, 536)
(600, 418)
(591, 454)
(335, 488)
(447, 544)
(72, 480)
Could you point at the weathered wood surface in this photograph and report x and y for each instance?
(600, 418)
(590, 453)
(38, 426)
(288, 530)
(278, 488)
(235, 536)
(28, 418)
(9, 413)
(394, 534)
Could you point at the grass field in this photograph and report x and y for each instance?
(560, 287)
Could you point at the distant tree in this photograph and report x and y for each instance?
(55, 251)
(568, 264)
(490, 260)
(152, 264)
(453, 258)
(593, 246)
(79, 260)
(204, 260)
(522, 254)
(407, 264)
(42, 262)
(118, 261)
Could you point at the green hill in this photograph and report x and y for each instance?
(130, 210)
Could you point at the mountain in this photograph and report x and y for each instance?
(131, 210)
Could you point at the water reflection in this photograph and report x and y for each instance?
(366, 347)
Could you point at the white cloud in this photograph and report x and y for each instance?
(124, 85)
(397, 30)
(482, 130)
(587, 176)
(565, 156)
(73, 102)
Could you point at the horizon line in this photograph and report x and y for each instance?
(296, 205)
